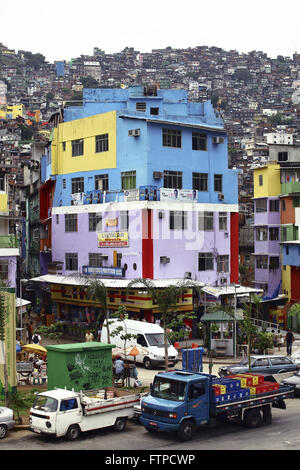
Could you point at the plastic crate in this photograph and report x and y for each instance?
(246, 381)
(219, 389)
(232, 384)
(259, 379)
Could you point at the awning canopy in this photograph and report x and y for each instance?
(221, 316)
(231, 290)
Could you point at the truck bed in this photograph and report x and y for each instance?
(95, 405)
(256, 400)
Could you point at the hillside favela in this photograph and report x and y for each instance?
(149, 249)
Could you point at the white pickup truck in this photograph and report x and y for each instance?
(67, 413)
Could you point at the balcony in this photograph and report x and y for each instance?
(289, 188)
(9, 241)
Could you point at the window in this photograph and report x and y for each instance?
(273, 233)
(154, 111)
(223, 264)
(282, 156)
(101, 142)
(260, 363)
(199, 141)
(101, 182)
(205, 262)
(178, 220)
(77, 147)
(200, 181)
(171, 138)
(64, 146)
(119, 260)
(206, 221)
(274, 205)
(3, 269)
(261, 205)
(260, 180)
(262, 262)
(95, 222)
(124, 220)
(95, 260)
(140, 107)
(128, 179)
(77, 185)
(57, 218)
(223, 221)
(261, 234)
(173, 179)
(70, 404)
(70, 222)
(218, 183)
(283, 205)
(284, 234)
(274, 262)
(287, 250)
(296, 201)
(71, 261)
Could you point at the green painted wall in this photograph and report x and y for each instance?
(80, 366)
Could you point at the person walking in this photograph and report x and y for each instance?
(36, 339)
(29, 328)
(289, 338)
(119, 368)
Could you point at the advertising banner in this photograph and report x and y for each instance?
(148, 193)
(112, 239)
(103, 271)
(182, 195)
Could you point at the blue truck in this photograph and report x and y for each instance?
(180, 401)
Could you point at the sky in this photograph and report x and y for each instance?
(63, 29)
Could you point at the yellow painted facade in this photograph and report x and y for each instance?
(133, 301)
(266, 181)
(3, 203)
(14, 110)
(87, 129)
(286, 281)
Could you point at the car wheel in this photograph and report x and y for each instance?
(73, 432)
(147, 363)
(3, 431)
(252, 418)
(186, 431)
(120, 424)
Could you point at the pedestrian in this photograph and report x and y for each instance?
(119, 368)
(280, 339)
(89, 336)
(99, 332)
(36, 338)
(29, 328)
(289, 338)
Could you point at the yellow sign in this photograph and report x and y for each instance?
(111, 222)
(109, 239)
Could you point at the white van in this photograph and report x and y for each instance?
(148, 335)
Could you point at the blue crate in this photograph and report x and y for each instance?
(231, 384)
(192, 359)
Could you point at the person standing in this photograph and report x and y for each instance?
(289, 338)
(89, 336)
(119, 368)
(29, 328)
(36, 339)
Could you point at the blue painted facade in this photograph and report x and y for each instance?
(146, 153)
(291, 254)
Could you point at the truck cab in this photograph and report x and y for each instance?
(54, 413)
(178, 401)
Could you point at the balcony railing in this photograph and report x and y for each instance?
(9, 241)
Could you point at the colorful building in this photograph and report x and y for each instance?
(140, 187)
(11, 111)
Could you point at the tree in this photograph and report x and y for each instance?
(249, 329)
(89, 82)
(3, 321)
(166, 298)
(97, 290)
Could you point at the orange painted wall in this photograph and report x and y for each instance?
(287, 216)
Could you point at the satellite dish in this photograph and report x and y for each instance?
(296, 96)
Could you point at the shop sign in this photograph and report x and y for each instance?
(131, 195)
(103, 271)
(112, 239)
(182, 195)
(111, 222)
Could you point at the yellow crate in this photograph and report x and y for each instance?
(252, 391)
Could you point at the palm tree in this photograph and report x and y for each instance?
(97, 290)
(3, 320)
(166, 298)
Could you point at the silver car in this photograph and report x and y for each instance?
(294, 380)
(6, 421)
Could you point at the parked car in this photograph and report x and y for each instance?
(261, 365)
(6, 421)
(294, 380)
(296, 356)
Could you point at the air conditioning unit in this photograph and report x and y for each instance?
(221, 197)
(157, 175)
(164, 260)
(218, 140)
(187, 275)
(223, 280)
(160, 215)
(134, 132)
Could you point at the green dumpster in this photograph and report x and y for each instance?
(80, 366)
